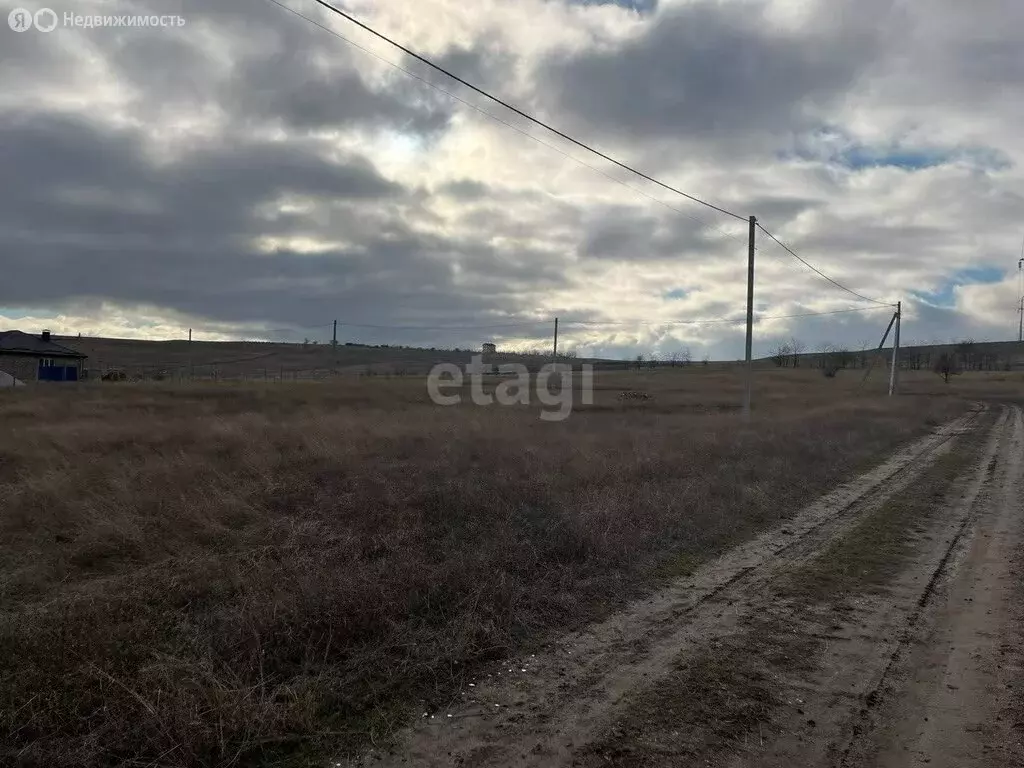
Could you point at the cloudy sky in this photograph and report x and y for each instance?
(252, 175)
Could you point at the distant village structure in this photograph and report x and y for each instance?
(27, 359)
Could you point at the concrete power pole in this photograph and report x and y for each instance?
(893, 378)
(749, 385)
(334, 350)
(1020, 294)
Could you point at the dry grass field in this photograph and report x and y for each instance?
(218, 575)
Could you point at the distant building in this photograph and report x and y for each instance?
(489, 349)
(26, 359)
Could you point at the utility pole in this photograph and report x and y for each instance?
(895, 350)
(555, 352)
(190, 370)
(881, 346)
(750, 319)
(1020, 294)
(334, 350)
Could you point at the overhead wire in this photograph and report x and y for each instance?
(342, 323)
(521, 113)
(814, 269)
(408, 51)
(717, 321)
(509, 125)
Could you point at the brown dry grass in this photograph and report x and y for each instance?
(725, 699)
(237, 576)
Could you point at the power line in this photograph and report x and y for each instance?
(520, 112)
(595, 323)
(833, 312)
(507, 124)
(445, 327)
(720, 321)
(606, 323)
(294, 328)
(566, 323)
(552, 129)
(561, 134)
(820, 273)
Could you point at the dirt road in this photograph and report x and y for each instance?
(878, 626)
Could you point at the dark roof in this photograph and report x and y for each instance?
(26, 343)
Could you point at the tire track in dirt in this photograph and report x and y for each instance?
(545, 709)
(915, 673)
(939, 700)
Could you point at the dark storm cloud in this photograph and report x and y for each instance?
(100, 213)
(710, 71)
(963, 55)
(781, 208)
(289, 86)
(267, 66)
(487, 64)
(523, 215)
(74, 174)
(95, 215)
(621, 232)
(464, 189)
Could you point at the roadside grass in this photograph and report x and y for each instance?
(724, 699)
(876, 550)
(712, 704)
(224, 576)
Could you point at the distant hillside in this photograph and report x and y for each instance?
(141, 359)
(966, 356)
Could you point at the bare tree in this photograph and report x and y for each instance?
(825, 354)
(830, 360)
(863, 345)
(781, 354)
(796, 348)
(966, 352)
(707, 359)
(947, 366)
(686, 356)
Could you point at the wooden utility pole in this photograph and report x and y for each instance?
(749, 385)
(190, 370)
(555, 351)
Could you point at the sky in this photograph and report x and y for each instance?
(253, 174)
